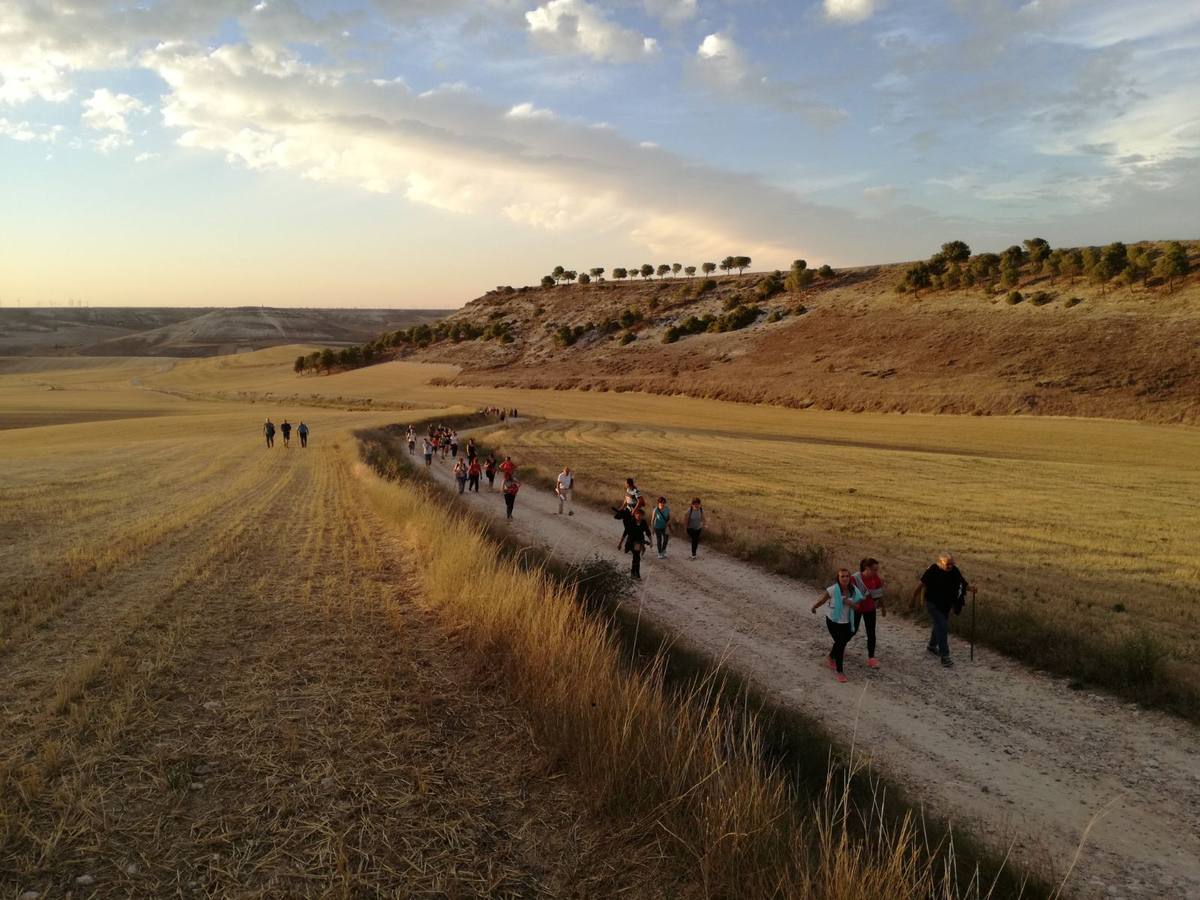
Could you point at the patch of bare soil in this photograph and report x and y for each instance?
(1018, 757)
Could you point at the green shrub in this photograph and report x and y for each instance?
(1074, 301)
(776, 316)
(628, 338)
(630, 316)
(703, 287)
(769, 285)
(1041, 298)
(1013, 298)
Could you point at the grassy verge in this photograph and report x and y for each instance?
(758, 798)
(1132, 664)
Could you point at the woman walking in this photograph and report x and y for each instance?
(870, 585)
(489, 469)
(661, 519)
(695, 523)
(637, 535)
(460, 474)
(509, 487)
(843, 597)
(633, 497)
(427, 449)
(473, 473)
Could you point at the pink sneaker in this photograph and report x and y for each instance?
(829, 662)
(872, 663)
(842, 678)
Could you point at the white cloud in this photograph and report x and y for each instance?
(576, 26)
(850, 11)
(529, 111)
(145, 157)
(27, 133)
(721, 64)
(114, 140)
(106, 111)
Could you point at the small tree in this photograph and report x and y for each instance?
(596, 273)
(728, 264)
(585, 278)
(708, 268)
(690, 271)
(1173, 264)
(548, 281)
(647, 270)
(799, 277)
(918, 276)
(826, 271)
(299, 364)
(956, 252)
(558, 272)
(742, 263)
(675, 268)
(1039, 251)
(570, 275)
(799, 265)
(328, 359)
(619, 273)
(663, 269)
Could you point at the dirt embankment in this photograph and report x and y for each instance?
(851, 343)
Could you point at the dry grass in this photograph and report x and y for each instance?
(688, 766)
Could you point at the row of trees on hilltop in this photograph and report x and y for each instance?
(955, 267)
(562, 274)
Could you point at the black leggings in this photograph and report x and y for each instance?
(473, 483)
(841, 634)
(868, 620)
(694, 534)
(661, 538)
(509, 500)
(635, 568)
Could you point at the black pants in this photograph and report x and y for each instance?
(509, 500)
(635, 550)
(868, 621)
(462, 482)
(270, 440)
(694, 534)
(661, 539)
(841, 634)
(304, 440)
(473, 483)
(491, 480)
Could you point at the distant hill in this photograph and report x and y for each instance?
(1066, 346)
(172, 331)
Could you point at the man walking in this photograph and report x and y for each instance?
(286, 428)
(303, 432)
(269, 432)
(945, 589)
(562, 486)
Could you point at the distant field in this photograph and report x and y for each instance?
(1087, 524)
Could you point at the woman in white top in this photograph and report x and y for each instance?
(844, 598)
(562, 487)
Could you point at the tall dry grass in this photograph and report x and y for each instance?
(687, 765)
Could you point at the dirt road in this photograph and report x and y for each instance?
(1015, 755)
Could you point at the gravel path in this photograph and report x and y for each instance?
(1015, 755)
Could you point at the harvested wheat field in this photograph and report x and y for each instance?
(219, 682)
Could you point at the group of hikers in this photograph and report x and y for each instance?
(500, 413)
(852, 601)
(285, 428)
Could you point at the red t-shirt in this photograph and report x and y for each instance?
(508, 468)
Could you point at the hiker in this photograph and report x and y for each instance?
(427, 449)
(269, 432)
(870, 585)
(633, 497)
(286, 427)
(489, 469)
(660, 519)
(635, 536)
(411, 437)
(303, 432)
(508, 467)
(472, 450)
(509, 487)
(473, 473)
(454, 444)
(460, 474)
(694, 520)
(844, 599)
(562, 487)
(945, 589)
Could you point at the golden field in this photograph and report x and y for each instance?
(1078, 528)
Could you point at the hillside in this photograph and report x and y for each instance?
(170, 331)
(851, 342)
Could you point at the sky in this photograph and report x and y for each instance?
(415, 153)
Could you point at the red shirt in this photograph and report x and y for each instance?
(508, 467)
(870, 582)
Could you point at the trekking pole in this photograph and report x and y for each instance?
(974, 604)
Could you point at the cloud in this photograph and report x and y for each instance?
(850, 11)
(576, 26)
(28, 133)
(145, 157)
(529, 111)
(114, 140)
(721, 64)
(106, 111)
